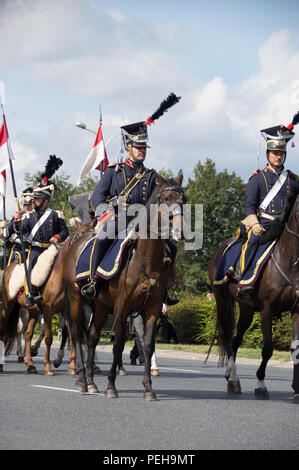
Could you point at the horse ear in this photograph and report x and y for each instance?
(159, 179)
(78, 223)
(180, 177)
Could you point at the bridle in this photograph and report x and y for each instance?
(164, 230)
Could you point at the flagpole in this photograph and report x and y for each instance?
(101, 164)
(17, 204)
(5, 232)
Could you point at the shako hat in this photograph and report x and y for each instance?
(277, 137)
(27, 195)
(45, 188)
(136, 134)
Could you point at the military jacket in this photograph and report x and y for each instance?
(259, 185)
(132, 181)
(54, 225)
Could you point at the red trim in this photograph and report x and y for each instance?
(58, 238)
(128, 162)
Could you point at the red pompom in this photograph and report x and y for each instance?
(45, 180)
(149, 121)
(290, 127)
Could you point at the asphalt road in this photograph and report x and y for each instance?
(193, 411)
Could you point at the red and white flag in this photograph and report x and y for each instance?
(4, 163)
(97, 159)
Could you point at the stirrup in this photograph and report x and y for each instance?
(170, 301)
(89, 290)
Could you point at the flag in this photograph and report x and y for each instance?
(3, 160)
(97, 158)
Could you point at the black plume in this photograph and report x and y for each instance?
(165, 105)
(295, 119)
(52, 165)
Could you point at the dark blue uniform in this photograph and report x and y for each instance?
(258, 186)
(54, 225)
(134, 183)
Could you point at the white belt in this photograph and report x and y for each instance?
(266, 216)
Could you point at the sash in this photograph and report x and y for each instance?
(39, 224)
(274, 190)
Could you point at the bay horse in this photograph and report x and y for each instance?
(277, 291)
(53, 301)
(140, 284)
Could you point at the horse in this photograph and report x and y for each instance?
(140, 284)
(276, 292)
(53, 301)
(22, 326)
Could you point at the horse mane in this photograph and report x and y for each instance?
(275, 228)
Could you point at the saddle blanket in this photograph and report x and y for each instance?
(109, 265)
(229, 265)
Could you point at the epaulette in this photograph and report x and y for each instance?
(112, 165)
(293, 174)
(254, 173)
(60, 214)
(26, 215)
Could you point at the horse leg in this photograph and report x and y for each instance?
(31, 369)
(48, 342)
(93, 339)
(19, 348)
(149, 348)
(36, 346)
(76, 311)
(245, 319)
(121, 370)
(60, 355)
(119, 343)
(261, 391)
(295, 356)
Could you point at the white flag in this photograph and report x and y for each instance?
(97, 159)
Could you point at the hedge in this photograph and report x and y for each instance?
(194, 319)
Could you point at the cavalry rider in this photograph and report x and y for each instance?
(266, 192)
(123, 183)
(43, 225)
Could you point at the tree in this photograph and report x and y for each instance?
(222, 196)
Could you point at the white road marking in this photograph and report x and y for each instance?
(65, 389)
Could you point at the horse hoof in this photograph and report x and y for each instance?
(49, 373)
(1, 367)
(56, 363)
(31, 370)
(122, 371)
(261, 393)
(110, 393)
(96, 370)
(150, 396)
(233, 387)
(92, 389)
(20, 358)
(81, 387)
(34, 352)
(296, 398)
(72, 371)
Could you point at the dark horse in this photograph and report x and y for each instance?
(140, 285)
(276, 292)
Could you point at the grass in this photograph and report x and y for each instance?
(249, 353)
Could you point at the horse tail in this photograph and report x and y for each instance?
(225, 327)
(12, 329)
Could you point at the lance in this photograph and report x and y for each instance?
(16, 200)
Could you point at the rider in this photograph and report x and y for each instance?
(266, 192)
(122, 184)
(44, 225)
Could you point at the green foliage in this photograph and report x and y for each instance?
(194, 319)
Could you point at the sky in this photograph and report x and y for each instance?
(235, 65)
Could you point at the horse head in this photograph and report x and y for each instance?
(168, 199)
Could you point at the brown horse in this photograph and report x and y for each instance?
(53, 301)
(140, 285)
(276, 292)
